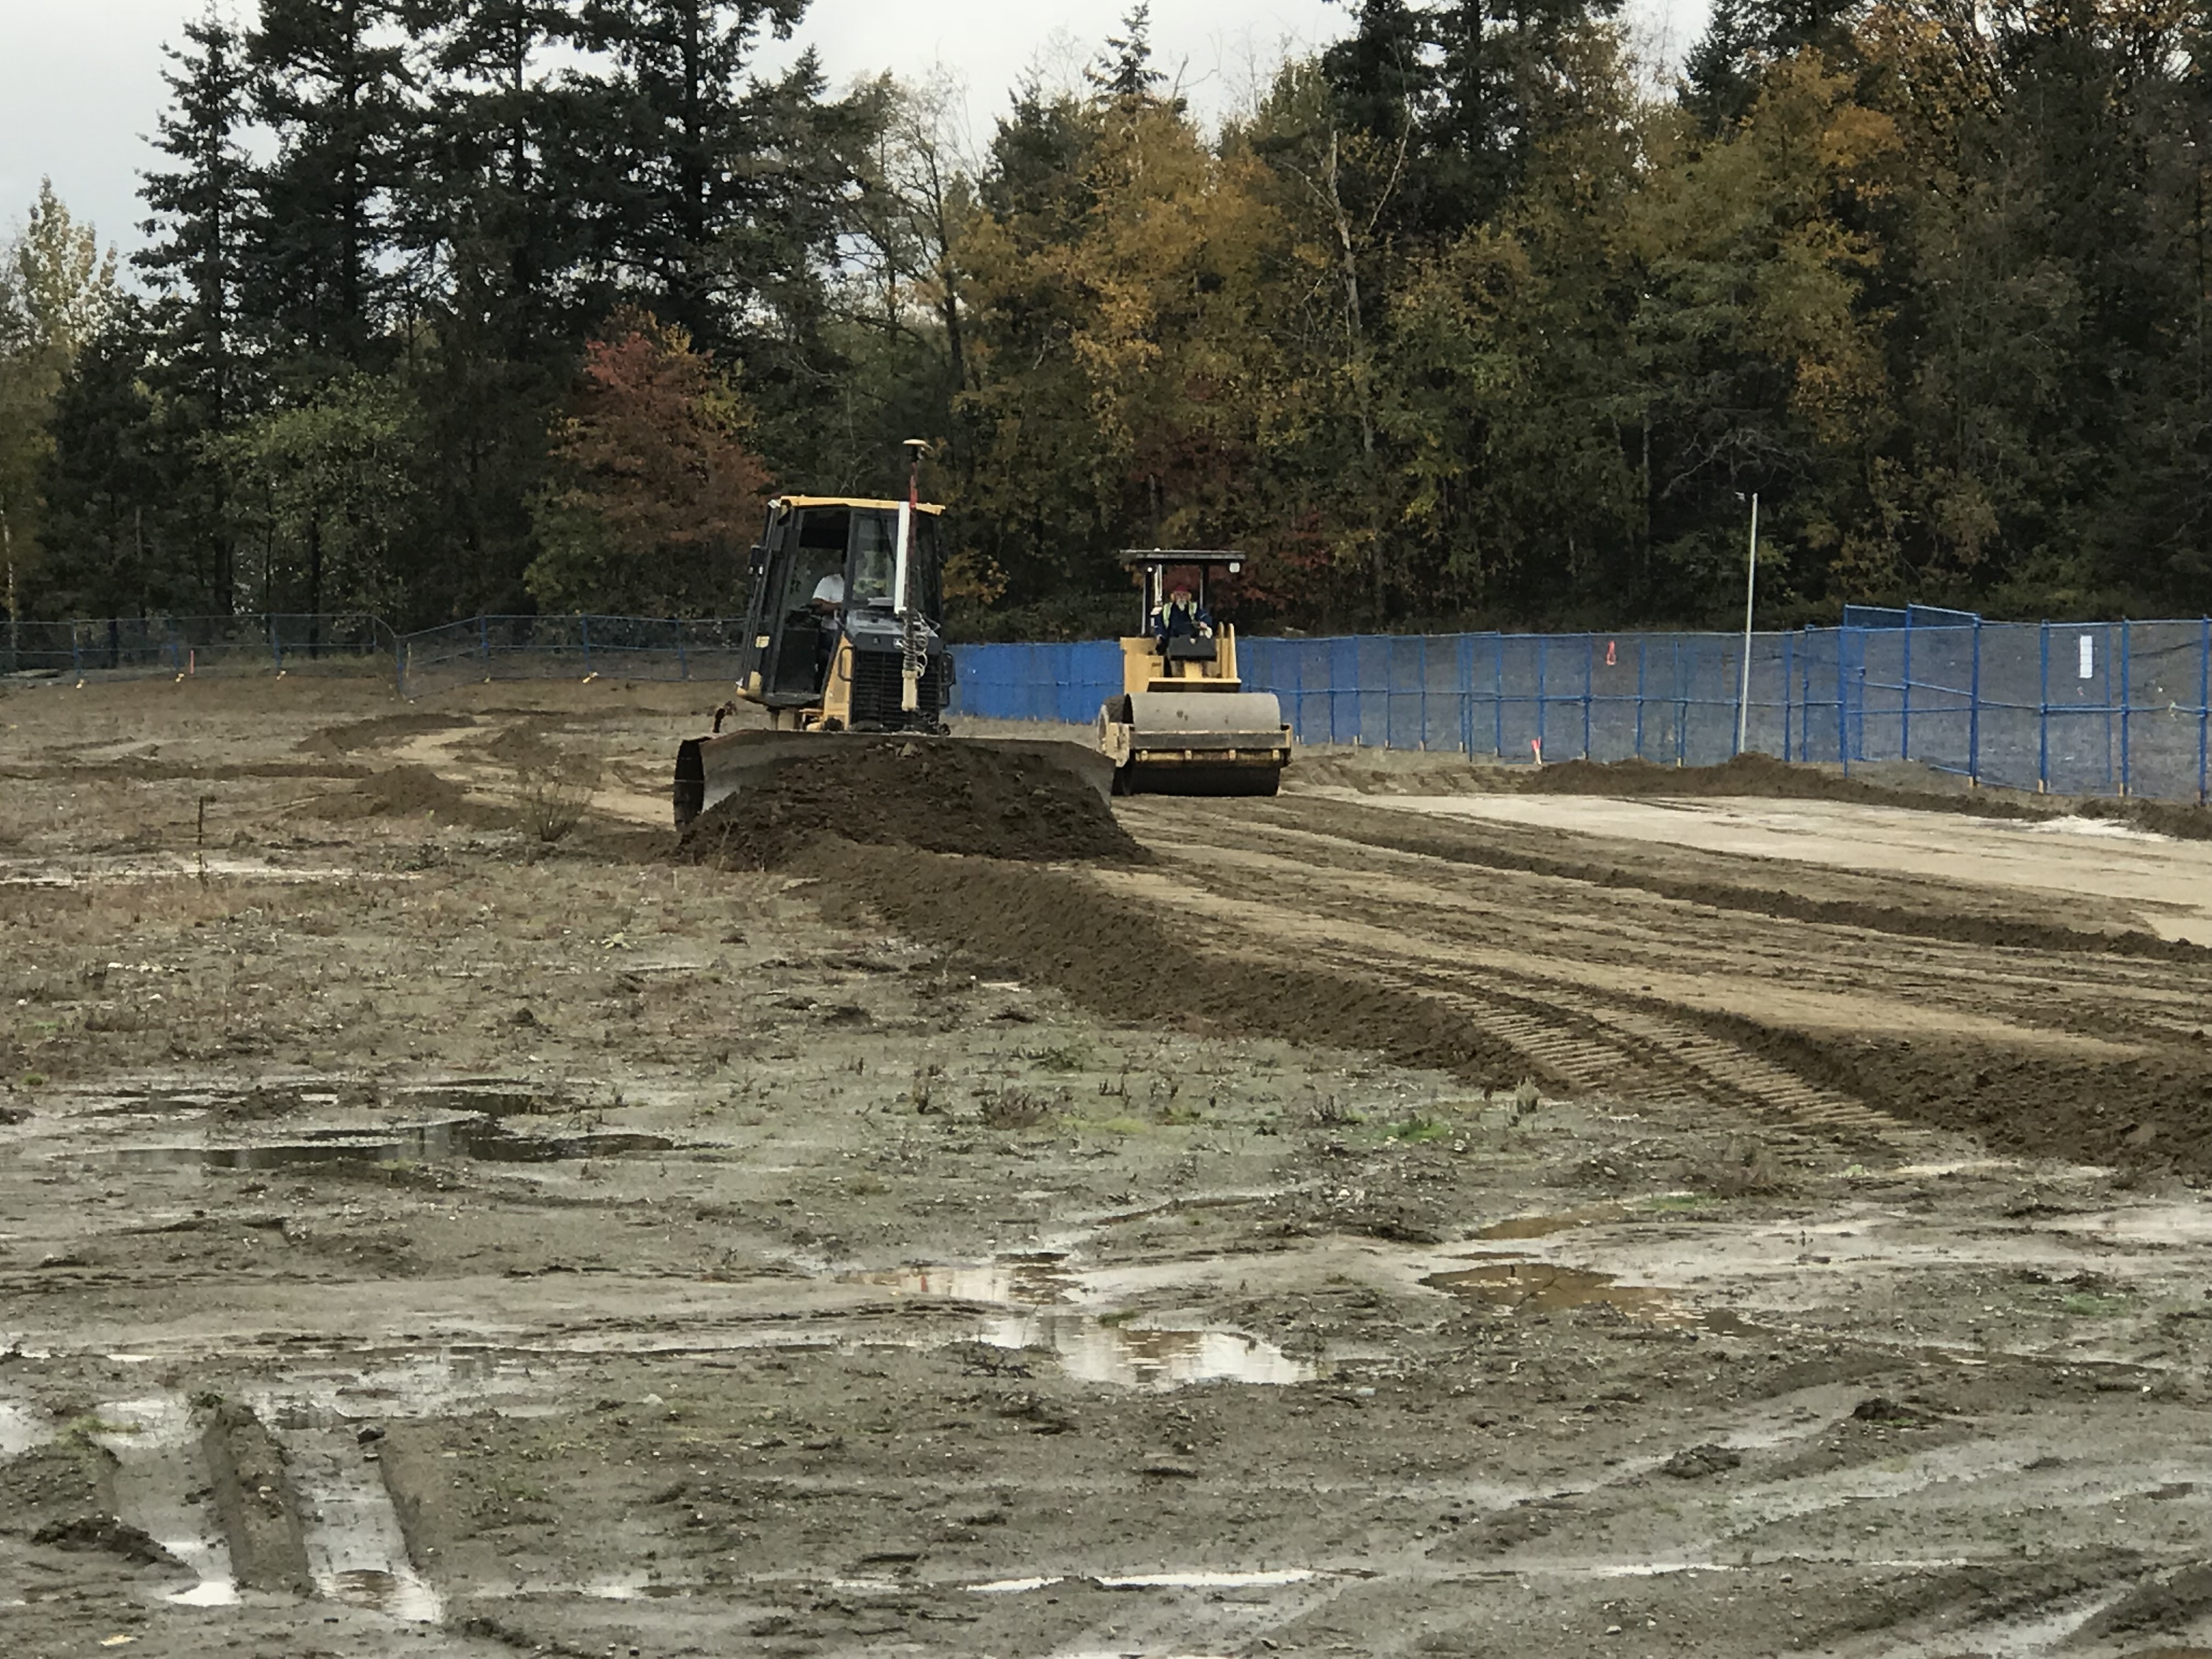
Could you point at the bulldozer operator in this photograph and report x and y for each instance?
(828, 605)
(1180, 618)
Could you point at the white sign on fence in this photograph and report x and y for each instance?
(2088, 656)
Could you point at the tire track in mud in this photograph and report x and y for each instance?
(1111, 940)
(1456, 844)
(1598, 1044)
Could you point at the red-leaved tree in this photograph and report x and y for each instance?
(654, 494)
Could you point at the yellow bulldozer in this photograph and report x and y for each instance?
(844, 644)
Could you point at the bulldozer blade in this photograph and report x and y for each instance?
(711, 769)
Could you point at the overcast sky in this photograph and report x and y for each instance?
(80, 80)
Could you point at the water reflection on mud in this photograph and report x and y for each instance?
(1148, 1353)
(1549, 1287)
(481, 1139)
(1147, 1356)
(1036, 1281)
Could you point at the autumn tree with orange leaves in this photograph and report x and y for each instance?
(655, 491)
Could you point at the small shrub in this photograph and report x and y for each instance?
(1749, 1168)
(554, 801)
(1013, 1109)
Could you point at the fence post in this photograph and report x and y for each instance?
(1497, 692)
(1589, 672)
(1639, 699)
(1421, 660)
(2203, 700)
(2043, 711)
(584, 626)
(2126, 697)
(1843, 705)
(1789, 685)
(483, 636)
(1974, 712)
(1467, 694)
(683, 662)
(1543, 658)
(275, 641)
(1905, 710)
(1681, 708)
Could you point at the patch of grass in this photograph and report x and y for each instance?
(1119, 1317)
(1333, 1113)
(34, 1079)
(1748, 1168)
(2093, 1307)
(1062, 1057)
(1418, 1128)
(1116, 1126)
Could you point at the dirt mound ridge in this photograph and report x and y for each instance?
(938, 795)
(1132, 961)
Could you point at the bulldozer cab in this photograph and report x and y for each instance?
(842, 552)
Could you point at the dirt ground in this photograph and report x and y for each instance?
(435, 1219)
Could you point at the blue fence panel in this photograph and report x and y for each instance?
(2070, 707)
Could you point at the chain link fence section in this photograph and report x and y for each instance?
(2076, 708)
(485, 648)
(136, 647)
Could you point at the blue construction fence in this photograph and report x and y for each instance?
(2071, 708)
(2067, 708)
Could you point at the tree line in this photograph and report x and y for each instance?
(451, 305)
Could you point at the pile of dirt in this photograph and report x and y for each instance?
(106, 1533)
(939, 795)
(399, 791)
(1763, 776)
(2150, 1111)
(1135, 962)
(381, 729)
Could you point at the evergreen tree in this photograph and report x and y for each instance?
(1127, 72)
(108, 519)
(333, 81)
(193, 260)
(57, 292)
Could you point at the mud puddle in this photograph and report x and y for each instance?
(1194, 1578)
(1543, 1226)
(1107, 1347)
(483, 1140)
(1525, 1285)
(1091, 1349)
(355, 1553)
(21, 1429)
(180, 866)
(157, 1474)
(1038, 1280)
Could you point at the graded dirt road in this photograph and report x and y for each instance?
(1398, 1220)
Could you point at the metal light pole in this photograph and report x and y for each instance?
(1750, 594)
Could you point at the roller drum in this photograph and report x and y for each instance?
(1210, 743)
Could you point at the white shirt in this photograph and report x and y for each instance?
(830, 590)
